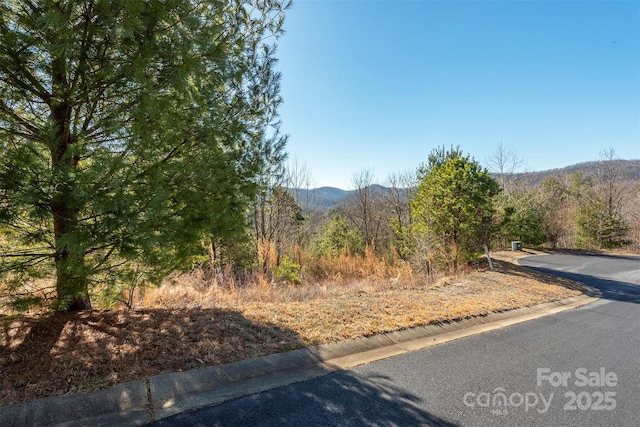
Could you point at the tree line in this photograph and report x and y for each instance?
(439, 217)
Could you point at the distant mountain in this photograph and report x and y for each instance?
(325, 198)
(630, 171)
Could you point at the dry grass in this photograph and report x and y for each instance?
(323, 277)
(346, 267)
(199, 323)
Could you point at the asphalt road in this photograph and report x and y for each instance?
(576, 368)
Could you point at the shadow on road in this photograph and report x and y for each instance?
(341, 398)
(611, 289)
(578, 252)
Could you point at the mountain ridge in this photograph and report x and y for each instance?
(328, 197)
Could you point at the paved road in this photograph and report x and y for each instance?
(576, 368)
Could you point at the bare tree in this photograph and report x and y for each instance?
(611, 180)
(554, 197)
(300, 181)
(365, 207)
(631, 214)
(504, 162)
(601, 221)
(400, 189)
(277, 218)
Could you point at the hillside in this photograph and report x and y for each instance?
(325, 198)
(630, 171)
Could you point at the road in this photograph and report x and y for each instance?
(576, 368)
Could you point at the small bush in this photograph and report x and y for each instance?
(288, 271)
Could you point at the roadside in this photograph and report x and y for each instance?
(85, 352)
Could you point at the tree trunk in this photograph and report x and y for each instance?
(71, 279)
(71, 283)
(212, 261)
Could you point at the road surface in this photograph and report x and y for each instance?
(576, 368)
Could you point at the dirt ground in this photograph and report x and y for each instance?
(49, 355)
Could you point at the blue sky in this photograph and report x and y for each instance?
(378, 84)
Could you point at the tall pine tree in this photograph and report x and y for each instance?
(130, 129)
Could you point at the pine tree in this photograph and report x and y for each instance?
(454, 207)
(130, 130)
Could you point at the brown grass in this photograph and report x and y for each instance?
(199, 322)
(346, 267)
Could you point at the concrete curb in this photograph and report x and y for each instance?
(140, 402)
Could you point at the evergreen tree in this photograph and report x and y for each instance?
(336, 237)
(454, 207)
(600, 229)
(522, 218)
(130, 130)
